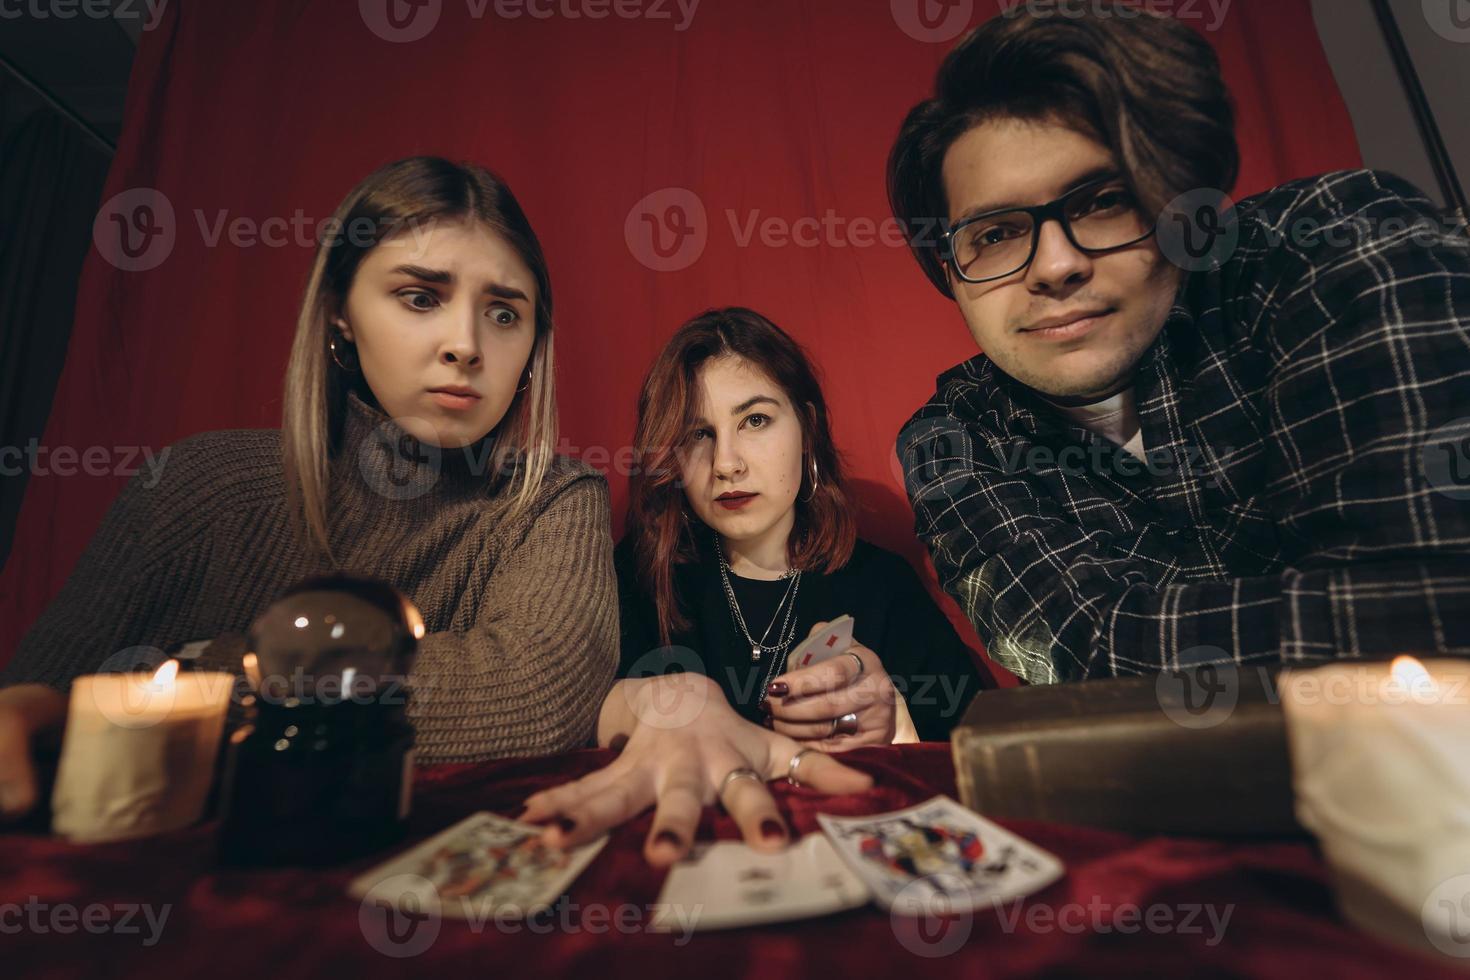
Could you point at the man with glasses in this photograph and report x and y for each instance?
(1194, 435)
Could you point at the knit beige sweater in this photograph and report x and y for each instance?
(522, 617)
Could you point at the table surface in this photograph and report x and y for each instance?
(1127, 905)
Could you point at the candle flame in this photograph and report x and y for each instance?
(1409, 673)
(165, 674)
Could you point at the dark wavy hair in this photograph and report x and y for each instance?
(663, 535)
(1145, 86)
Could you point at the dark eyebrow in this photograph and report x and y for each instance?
(1101, 172)
(506, 292)
(750, 402)
(427, 275)
(443, 278)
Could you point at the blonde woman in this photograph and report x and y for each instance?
(416, 446)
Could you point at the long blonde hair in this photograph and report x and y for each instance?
(395, 198)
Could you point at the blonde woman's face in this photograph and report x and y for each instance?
(444, 319)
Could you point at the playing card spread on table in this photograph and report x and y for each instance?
(938, 857)
(725, 884)
(825, 644)
(483, 865)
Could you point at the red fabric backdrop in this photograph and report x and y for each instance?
(759, 109)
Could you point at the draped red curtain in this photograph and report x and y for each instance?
(749, 135)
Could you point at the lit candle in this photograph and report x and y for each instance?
(138, 754)
(1381, 768)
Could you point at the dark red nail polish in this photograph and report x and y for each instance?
(668, 837)
(766, 707)
(772, 830)
(778, 689)
(566, 824)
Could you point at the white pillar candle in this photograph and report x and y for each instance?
(1381, 767)
(138, 754)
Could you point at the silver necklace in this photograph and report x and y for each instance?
(788, 626)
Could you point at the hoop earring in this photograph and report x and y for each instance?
(815, 483)
(530, 376)
(337, 358)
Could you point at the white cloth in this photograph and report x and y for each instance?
(1115, 419)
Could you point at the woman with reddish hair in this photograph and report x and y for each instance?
(741, 540)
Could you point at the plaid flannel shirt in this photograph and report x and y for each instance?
(1306, 496)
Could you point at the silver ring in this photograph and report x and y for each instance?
(741, 773)
(846, 725)
(791, 768)
(859, 660)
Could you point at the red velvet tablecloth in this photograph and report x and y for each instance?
(1127, 906)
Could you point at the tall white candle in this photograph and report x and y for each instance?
(1381, 768)
(138, 754)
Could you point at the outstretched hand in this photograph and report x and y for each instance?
(682, 742)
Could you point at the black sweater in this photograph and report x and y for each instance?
(894, 617)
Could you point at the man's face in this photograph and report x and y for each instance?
(1124, 295)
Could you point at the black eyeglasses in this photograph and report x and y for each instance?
(1099, 216)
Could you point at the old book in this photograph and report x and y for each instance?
(1200, 752)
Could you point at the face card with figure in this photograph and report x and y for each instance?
(939, 857)
(825, 644)
(483, 865)
(726, 885)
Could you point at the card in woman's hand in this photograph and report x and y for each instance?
(826, 643)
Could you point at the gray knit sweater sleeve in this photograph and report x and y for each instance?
(529, 678)
(523, 615)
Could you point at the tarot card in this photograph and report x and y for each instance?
(939, 857)
(483, 865)
(725, 885)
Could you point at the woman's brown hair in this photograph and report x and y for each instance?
(394, 200)
(1145, 86)
(664, 533)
